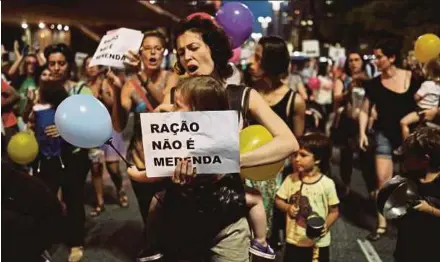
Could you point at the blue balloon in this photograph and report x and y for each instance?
(83, 121)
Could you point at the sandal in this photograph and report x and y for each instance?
(374, 236)
(76, 254)
(97, 210)
(123, 199)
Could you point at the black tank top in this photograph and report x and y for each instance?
(280, 109)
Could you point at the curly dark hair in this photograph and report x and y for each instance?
(361, 55)
(59, 48)
(53, 92)
(68, 54)
(391, 48)
(425, 141)
(214, 37)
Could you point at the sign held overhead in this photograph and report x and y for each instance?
(113, 46)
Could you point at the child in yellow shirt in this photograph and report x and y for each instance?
(305, 193)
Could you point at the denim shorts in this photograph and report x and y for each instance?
(383, 146)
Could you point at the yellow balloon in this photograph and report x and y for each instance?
(23, 148)
(251, 138)
(427, 47)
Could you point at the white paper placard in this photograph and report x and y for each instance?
(210, 139)
(311, 48)
(114, 45)
(336, 52)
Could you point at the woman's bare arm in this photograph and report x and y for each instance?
(284, 142)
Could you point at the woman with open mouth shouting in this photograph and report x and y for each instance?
(141, 92)
(204, 49)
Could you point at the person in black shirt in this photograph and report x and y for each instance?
(392, 94)
(31, 214)
(418, 231)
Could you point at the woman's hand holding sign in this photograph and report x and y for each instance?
(133, 60)
(184, 173)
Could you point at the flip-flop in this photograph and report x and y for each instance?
(123, 199)
(374, 236)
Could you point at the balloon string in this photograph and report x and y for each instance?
(109, 142)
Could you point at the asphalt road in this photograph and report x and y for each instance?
(115, 235)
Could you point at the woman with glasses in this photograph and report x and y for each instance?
(25, 81)
(101, 85)
(142, 92)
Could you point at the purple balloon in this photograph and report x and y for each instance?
(237, 20)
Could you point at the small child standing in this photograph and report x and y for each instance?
(49, 163)
(306, 193)
(418, 230)
(427, 97)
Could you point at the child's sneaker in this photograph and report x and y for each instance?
(261, 251)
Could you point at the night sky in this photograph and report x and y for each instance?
(258, 8)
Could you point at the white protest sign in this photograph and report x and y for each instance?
(209, 139)
(310, 48)
(113, 46)
(336, 52)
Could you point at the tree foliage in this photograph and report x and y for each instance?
(368, 21)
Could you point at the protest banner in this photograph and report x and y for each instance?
(114, 45)
(208, 139)
(311, 48)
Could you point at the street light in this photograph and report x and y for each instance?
(276, 5)
(264, 21)
(256, 36)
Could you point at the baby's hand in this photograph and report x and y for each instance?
(292, 211)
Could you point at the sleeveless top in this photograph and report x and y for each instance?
(280, 109)
(136, 141)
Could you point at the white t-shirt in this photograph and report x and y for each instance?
(314, 197)
(325, 92)
(430, 93)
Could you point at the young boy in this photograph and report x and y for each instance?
(419, 229)
(305, 192)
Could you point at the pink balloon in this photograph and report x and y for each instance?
(236, 53)
(313, 83)
(202, 15)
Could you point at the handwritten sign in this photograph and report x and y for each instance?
(311, 48)
(208, 139)
(114, 45)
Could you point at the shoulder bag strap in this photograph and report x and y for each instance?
(138, 89)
